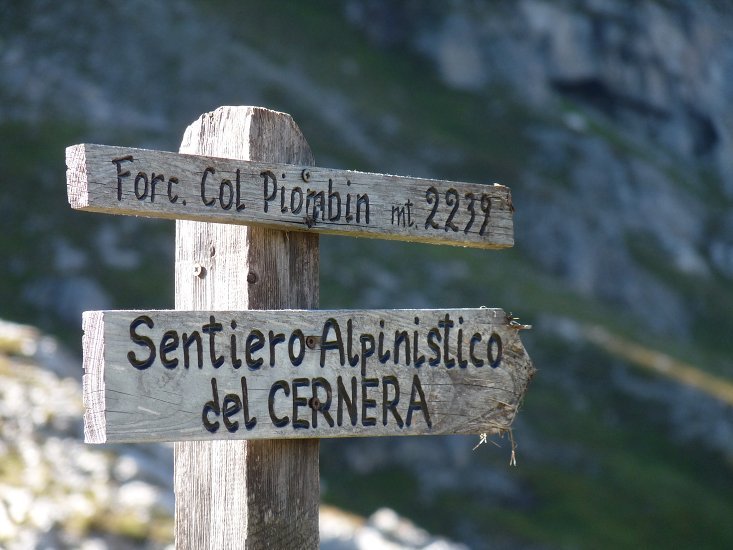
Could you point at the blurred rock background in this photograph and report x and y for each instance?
(57, 492)
(611, 121)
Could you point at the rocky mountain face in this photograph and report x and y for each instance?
(640, 94)
(612, 123)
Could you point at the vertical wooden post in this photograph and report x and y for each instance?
(258, 494)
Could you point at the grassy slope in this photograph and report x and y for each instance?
(33, 161)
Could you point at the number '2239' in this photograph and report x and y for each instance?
(453, 200)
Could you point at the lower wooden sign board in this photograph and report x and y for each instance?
(193, 375)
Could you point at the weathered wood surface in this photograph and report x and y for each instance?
(301, 374)
(251, 494)
(120, 180)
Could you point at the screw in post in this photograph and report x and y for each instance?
(199, 271)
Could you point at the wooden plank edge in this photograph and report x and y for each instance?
(77, 188)
(506, 240)
(95, 418)
(96, 149)
(522, 375)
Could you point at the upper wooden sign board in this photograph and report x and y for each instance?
(185, 375)
(140, 182)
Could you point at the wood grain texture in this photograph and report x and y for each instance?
(262, 494)
(373, 372)
(293, 197)
(93, 379)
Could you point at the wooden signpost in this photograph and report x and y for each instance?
(173, 375)
(246, 373)
(139, 182)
